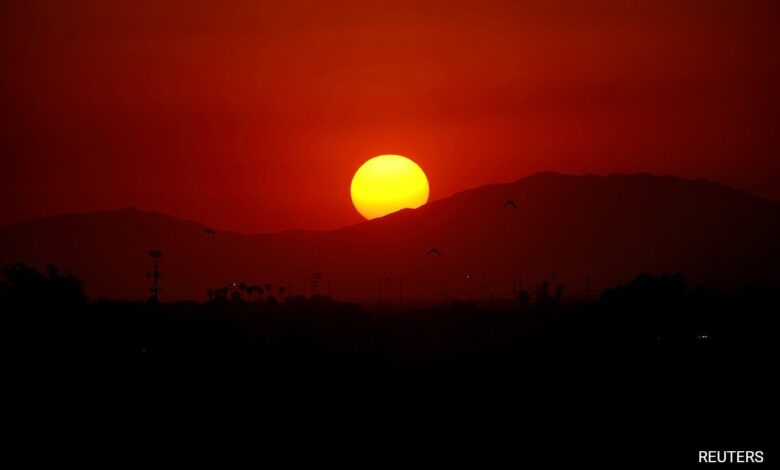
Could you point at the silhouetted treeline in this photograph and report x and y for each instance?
(321, 339)
(244, 292)
(22, 286)
(657, 343)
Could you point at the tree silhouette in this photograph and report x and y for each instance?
(524, 297)
(24, 284)
(649, 291)
(543, 295)
(221, 294)
(257, 289)
(242, 291)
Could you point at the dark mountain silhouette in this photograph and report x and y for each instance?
(584, 232)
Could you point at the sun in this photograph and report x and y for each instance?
(386, 184)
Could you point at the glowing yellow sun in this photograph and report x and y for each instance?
(386, 184)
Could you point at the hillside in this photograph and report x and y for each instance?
(585, 232)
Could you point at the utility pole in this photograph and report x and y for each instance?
(389, 282)
(587, 287)
(400, 293)
(155, 275)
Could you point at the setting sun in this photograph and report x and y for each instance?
(386, 184)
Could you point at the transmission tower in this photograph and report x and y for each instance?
(315, 283)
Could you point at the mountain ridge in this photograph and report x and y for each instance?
(538, 174)
(586, 230)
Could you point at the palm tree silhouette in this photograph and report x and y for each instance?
(258, 289)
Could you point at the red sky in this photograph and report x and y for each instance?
(254, 115)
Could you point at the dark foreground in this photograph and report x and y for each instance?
(649, 373)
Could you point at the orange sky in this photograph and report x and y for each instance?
(254, 115)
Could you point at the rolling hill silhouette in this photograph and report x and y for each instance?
(585, 232)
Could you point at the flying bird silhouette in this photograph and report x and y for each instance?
(433, 251)
(510, 203)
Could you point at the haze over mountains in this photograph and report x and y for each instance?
(584, 232)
